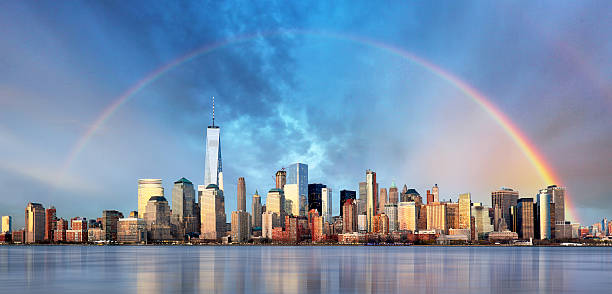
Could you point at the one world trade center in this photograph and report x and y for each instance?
(213, 172)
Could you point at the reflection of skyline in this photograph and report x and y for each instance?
(267, 269)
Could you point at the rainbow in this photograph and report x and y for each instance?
(529, 149)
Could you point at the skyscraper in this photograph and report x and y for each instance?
(35, 223)
(391, 210)
(558, 198)
(212, 212)
(503, 199)
(50, 223)
(7, 224)
(297, 174)
(110, 222)
(544, 214)
(212, 165)
(281, 179)
(315, 195)
(407, 216)
(382, 200)
(148, 188)
(362, 204)
(157, 218)
(241, 229)
(183, 204)
(525, 218)
(345, 195)
(393, 194)
(349, 217)
(326, 204)
(436, 217)
(241, 192)
(256, 210)
(436, 193)
(465, 211)
(371, 197)
(482, 220)
(275, 202)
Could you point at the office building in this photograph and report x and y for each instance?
(241, 226)
(372, 197)
(345, 195)
(544, 215)
(297, 174)
(110, 223)
(7, 224)
(34, 223)
(452, 215)
(382, 200)
(269, 221)
(213, 168)
(275, 202)
(391, 210)
(241, 193)
(281, 179)
(148, 188)
(212, 212)
(482, 220)
(393, 194)
(183, 204)
(59, 235)
(50, 223)
(407, 216)
(465, 211)
(131, 230)
(362, 223)
(315, 195)
(525, 219)
(558, 198)
(349, 216)
(503, 199)
(157, 219)
(436, 217)
(326, 204)
(363, 199)
(256, 210)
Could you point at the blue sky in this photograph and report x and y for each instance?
(339, 106)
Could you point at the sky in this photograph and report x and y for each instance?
(301, 82)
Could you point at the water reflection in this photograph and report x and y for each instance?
(79, 269)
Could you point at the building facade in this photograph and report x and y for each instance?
(183, 205)
(213, 168)
(525, 219)
(110, 223)
(407, 216)
(35, 223)
(465, 211)
(326, 204)
(7, 224)
(349, 216)
(372, 197)
(391, 210)
(503, 199)
(212, 212)
(297, 174)
(148, 188)
(241, 226)
(344, 196)
(544, 217)
(256, 210)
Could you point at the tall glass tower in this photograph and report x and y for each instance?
(212, 163)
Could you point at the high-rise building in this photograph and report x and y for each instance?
(407, 216)
(503, 199)
(382, 200)
(558, 198)
(183, 204)
(7, 224)
(281, 179)
(436, 216)
(363, 198)
(50, 223)
(297, 174)
(326, 204)
(525, 218)
(391, 210)
(213, 170)
(544, 199)
(465, 211)
(212, 212)
(35, 223)
(372, 197)
(430, 197)
(157, 219)
(256, 210)
(452, 215)
(315, 195)
(110, 222)
(148, 188)
(269, 221)
(241, 193)
(60, 232)
(275, 202)
(393, 193)
(436, 193)
(131, 230)
(349, 216)
(482, 220)
(241, 226)
(346, 195)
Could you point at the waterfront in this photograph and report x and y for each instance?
(269, 269)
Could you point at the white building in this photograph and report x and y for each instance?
(326, 204)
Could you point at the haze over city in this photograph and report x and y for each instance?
(94, 96)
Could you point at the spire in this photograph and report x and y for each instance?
(213, 111)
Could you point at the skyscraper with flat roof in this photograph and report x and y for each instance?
(50, 223)
(183, 204)
(346, 195)
(382, 200)
(525, 218)
(372, 197)
(349, 216)
(558, 198)
(35, 223)
(297, 174)
(241, 193)
(7, 224)
(212, 212)
(148, 188)
(503, 199)
(407, 216)
(110, 222)
(465, 211)
(213, 170)
(544, 216)
(256, 210)
(326, 204)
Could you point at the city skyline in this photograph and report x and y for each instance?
(80, 121)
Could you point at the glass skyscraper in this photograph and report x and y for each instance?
(297, 173)
(212, 164)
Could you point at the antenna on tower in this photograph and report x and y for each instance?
(213, 111)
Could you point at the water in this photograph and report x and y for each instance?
(168, 269)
